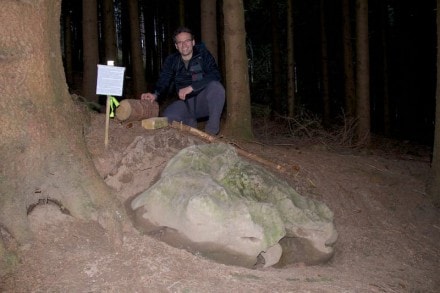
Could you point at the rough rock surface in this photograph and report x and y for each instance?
(209, 200)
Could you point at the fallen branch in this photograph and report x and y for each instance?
(209, 138)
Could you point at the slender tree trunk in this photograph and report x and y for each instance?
(137, 62)
(221, 33)
(150, 65)
(276, 59)
(362, 73)
(90, 49)
(209, 25)
(126, 44)
(434, 180)
(181, 12)
(386, 94)
(290, 60)
(68, 44)
(324, 69)
(349, 83)
(109, 31)
(238, 122)
(168, 29)
(42, 149)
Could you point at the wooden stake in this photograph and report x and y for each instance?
(107, 112)
(107, 120)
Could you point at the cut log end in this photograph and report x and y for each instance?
(136, 110)
(123, 111)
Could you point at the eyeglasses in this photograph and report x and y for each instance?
(186, 42)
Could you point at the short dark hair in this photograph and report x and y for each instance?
(182, 29)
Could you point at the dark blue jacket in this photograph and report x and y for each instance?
(201, 70)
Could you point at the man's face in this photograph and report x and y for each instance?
(185, 44)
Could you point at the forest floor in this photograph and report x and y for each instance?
(389, 233)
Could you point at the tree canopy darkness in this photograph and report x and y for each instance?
(402, 36)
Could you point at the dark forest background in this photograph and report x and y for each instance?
(402, 40)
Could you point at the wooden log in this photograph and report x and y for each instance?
(135, 110)
(209, 138)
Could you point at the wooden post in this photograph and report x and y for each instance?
(107, 112)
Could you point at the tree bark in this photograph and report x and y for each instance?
(209, 25)
(290, 60)
(181, 12)
(238, 122)
(324, 69)
(42, 148)
(434, 180)
(386, 92)
(362, 73)
(109, 31)
(349, 84)
(276, 59)
(137, 63)
(68, 43)
(126, 44)
(151, 67)
(90, 49)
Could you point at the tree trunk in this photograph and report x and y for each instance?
(386, 93)
(137, 62)
(238, 122)
(90, 49)
(126, 44)
(181, 12)
(221, 33)
(109, 31)
(276, 59)
(42, 148)
(434, 181)
(362, 73)
(324, 69)
(349, 84)
(68, 43)
(290, 60)
(151, 68)
(209, 25)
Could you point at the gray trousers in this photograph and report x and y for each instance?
(207, 104)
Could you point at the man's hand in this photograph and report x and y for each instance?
(185, 91)
(149, 97)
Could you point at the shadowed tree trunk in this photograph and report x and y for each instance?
(181, 12)
(290, 60)
(209, 25)
(386, 92)
(434, 182)
(137, 63)
(362, 73)
(276, 59)
(238, 122)
(349, 84)
(90, 49)
(221, 33)
(126, 44)
(68, 43)
(42, 148)
(324, 68)
(151, 67)
(109, 31)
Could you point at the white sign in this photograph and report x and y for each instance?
(110, 80)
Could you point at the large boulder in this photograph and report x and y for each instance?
(212, 202)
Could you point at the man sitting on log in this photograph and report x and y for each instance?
(197, 79)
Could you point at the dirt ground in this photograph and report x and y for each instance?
(388, 232)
